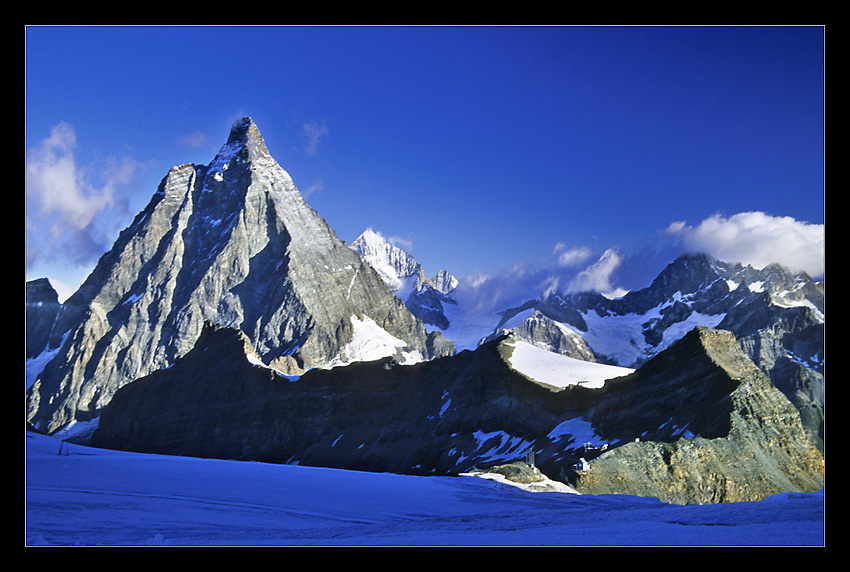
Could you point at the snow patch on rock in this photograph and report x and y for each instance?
(558, 370)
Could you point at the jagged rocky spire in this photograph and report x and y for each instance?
(245, 133)
(404, 276)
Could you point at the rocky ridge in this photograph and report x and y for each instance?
(754, 426)
(41, 309)
(701, 403)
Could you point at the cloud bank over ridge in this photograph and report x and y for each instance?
(757, 239)
(751, 238)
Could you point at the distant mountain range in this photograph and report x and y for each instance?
(228, 289)
(778, 317)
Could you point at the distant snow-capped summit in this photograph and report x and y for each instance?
(425, 298)
(398, 269)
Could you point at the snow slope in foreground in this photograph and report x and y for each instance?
(98, 497)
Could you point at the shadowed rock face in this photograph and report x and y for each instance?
(711, 426)
(42, 308)
(377, 416)
(233, 243)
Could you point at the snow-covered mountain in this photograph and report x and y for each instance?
(427, 299)
(778, 317)
(694, 290)
(400, 271)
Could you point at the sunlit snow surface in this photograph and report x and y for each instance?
(559, 370)
(98, 497)
(371, 342)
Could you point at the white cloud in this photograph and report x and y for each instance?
(757, 239)
(314, 188)
(64, 290)
(313, 132)
(597, 276)
(550, 285)
(511, 287)
(573, 256)
(57, 186)
(194, 140)
(63, 205)
(405, 244)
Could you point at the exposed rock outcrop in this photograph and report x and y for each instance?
(544, 332)
(751, 445)
(42, 307)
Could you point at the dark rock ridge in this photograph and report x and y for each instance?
(743, 440)
(711, 426)
(234, 243)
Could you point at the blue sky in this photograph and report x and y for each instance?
(535, 156)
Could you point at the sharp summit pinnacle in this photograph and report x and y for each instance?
(245, 133)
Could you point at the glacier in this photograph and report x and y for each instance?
(81, 496)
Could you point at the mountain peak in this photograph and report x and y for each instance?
(244, 133)
(232, 243)
(393, 264)
(40, 291)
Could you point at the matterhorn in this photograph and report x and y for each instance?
(232, 243)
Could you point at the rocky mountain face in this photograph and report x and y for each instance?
(542, 331)
(777, 316)
(425, 298)
(752, 423)
(697, 423)
(42, 308)
(233, 243)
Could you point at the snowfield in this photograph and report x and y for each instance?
(622, 339)
(558, 370)
(371, 342)
(86, 497)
